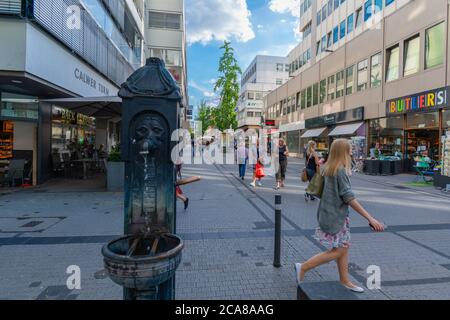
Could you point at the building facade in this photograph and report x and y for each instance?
(165, 38)
(376, 72)
(58, 49)
(264, 74)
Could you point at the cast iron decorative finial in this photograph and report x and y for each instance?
(152, 80)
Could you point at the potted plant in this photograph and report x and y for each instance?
(115, 171)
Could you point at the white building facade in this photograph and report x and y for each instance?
(375, 71)
(59, 49)
(165, 38)
(264, 74)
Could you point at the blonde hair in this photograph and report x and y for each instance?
(338, 158)
(311, 144)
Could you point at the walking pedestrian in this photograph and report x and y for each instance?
(179, 193)
(242, 157)
(259, 166)
(282, 159)
(312, 165)
(333, 216)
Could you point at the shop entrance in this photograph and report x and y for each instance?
(421, 143)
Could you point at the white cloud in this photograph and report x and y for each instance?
(260, 26)
(205, 91)
(285, 6)
(218, 20)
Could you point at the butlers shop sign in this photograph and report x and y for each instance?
(420, 102)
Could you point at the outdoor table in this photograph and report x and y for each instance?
(85, 163)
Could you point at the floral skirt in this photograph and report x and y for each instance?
(339, 240)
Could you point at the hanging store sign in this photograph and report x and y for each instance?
(420, 102)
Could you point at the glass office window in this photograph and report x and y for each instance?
(340, 84)
(330, 7)
(319, 17)
(411, 56)
(388, 2)
(350, 23)
(324, 13)
(336, 4)
(362, 75)
(324, 43)
(331, 87)
(342, 29)
(368, 10)
(335, 34)
(309, 97)
(303, 100)
(359, 17)
(329, 39)
(375, 70)
(349, 75)
(323, 91)
(315, 94)
(392, 63)
(378, 6)
(435, 46)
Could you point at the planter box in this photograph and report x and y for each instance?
(115, 176)
(440, 181)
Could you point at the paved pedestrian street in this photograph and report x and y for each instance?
(228, 231)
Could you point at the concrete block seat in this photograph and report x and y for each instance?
(325, 290)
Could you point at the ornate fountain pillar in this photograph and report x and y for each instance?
(145, 260)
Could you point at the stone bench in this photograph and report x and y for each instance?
(326, 290)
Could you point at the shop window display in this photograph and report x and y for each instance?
(446, 143)
(6, 139)
(388, 132)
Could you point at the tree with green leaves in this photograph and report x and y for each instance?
(228, 87)
(205, 115)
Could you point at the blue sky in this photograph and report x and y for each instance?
(254, 27)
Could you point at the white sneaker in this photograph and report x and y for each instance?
(298, 268)
(259, 183)
(354, 289)
(253, 184)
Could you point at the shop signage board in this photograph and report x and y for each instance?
(427, 101)
(336, 118)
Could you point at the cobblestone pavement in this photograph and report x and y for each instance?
(228, 233)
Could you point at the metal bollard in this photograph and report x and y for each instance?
(277, 247)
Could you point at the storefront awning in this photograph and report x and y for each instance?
(345, 130)
(313, 133)
(97, 107)
(295, 126)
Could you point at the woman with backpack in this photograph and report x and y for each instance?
(312, 164)
(333, 212)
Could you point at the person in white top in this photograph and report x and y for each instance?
(242, 157)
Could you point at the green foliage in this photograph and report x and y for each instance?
(228, 86)
(205, 115)
(114, 155)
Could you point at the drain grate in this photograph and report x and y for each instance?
(31, 224)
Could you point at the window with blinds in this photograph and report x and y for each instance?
(10, 6)
(89, 41)
(164, 20)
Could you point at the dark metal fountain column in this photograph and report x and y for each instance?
(150, 252)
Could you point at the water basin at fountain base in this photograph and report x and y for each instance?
(141, 263)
